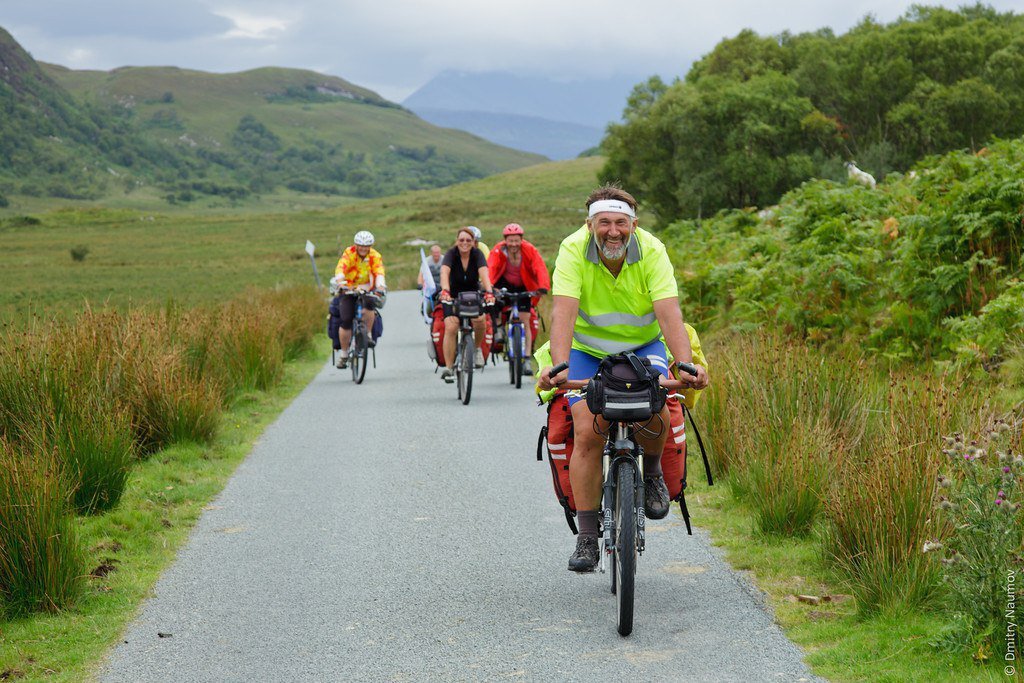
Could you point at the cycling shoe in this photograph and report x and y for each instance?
(586, 555)
(656, 502)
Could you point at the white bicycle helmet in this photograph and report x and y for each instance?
(364, 238)
(476, 232)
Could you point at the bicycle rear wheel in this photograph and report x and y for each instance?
(624, 562)
(464, 368)
(359, 352)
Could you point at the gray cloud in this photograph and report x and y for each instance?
(394, 46)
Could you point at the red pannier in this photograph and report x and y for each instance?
(437, 336)
(557, 436)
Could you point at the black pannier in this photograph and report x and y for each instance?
(334, 322)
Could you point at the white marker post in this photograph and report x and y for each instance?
(310, 249)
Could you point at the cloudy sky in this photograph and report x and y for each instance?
(394, 47)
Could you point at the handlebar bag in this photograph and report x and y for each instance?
(625, 388)
(468, 304)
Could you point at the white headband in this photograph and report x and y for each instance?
(613, 205)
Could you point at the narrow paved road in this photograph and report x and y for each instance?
(386, 532)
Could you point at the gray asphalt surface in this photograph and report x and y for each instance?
(386, 532)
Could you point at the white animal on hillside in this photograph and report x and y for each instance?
(859, 176)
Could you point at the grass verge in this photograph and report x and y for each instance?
(840, 644)
(131, 545)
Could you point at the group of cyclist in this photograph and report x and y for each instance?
(614, 291)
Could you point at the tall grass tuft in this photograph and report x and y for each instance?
(787, 482)
(251, 355)
(170, 405)
(49, 404)
(42, 566)
(883, 512)
(786, 414)
(300, 317)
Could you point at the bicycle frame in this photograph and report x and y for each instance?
(359, 332)
(620, 450)
(515, 325)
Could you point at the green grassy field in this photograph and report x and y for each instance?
(138, 256)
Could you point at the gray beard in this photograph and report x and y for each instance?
(613, 254)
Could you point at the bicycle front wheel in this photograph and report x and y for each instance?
(509, 356)
(517, 356)
(359, 352)
(624, 570)
(465, 368)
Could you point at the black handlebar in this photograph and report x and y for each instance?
(687, 368)
(504, 292)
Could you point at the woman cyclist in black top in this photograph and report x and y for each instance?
(463, 269)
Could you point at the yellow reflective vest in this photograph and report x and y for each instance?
(616, 313)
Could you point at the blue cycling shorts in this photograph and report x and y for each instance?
(583, 366)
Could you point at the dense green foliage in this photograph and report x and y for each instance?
(927, 265)
(759, 115)
(85, 135)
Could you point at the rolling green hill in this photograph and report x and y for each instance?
(173, 135)
(300, 107)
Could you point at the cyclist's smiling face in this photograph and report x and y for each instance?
(514, 243)
(362, 251)
(465, 242)
(612, 232)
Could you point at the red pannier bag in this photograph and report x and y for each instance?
(557, 436)
(437, 336)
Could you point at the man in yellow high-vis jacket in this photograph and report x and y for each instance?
(613, 290)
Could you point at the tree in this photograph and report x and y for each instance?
(716, 143)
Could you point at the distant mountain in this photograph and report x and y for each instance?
(554, 139)
(84, 134)
(551, 108)
(595, 102)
